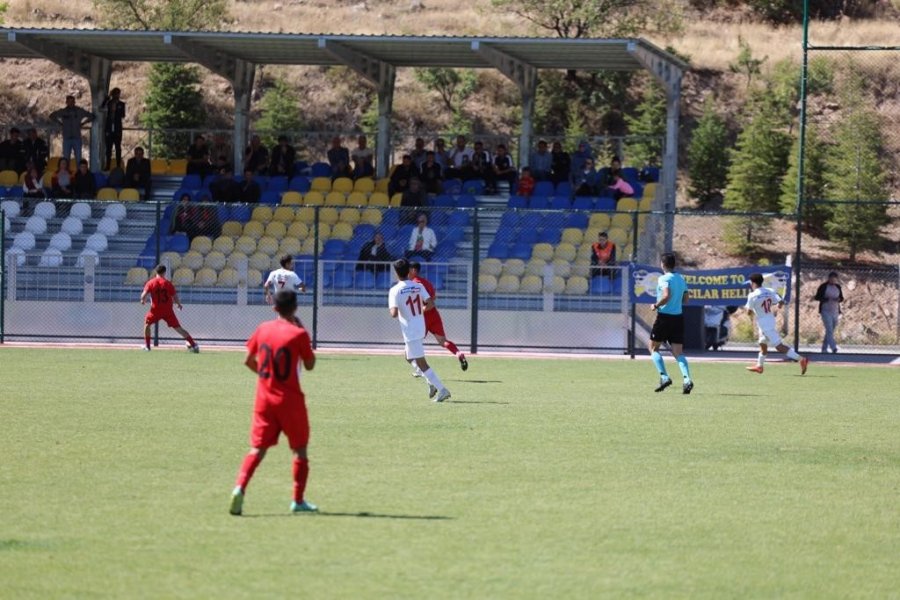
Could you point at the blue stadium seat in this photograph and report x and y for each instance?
(364, 232)
(191, 182)
(459, 218)
(397, 246)
(176, 197)
(438, 218)
(630, 174)
(517, 202)
(320, 169)
(365, 280)
(146, 261)
(224, 212)
(339, 280)
(454, 234)
(299, 183)
(649, 174)
(543, 188)
(444, 200)
(577, 220)
(531, 221)
(551, 235)
(520, 251)
(499, 250)
(445, 250)
(277, 183)
(334, 250)
(207, 181)
(583, 203)
(388, 231)
(270, 198)
(169, 211)
(473, 186)
(505, 235)
(605, 204)
(638, 190)
(564, 188)
(527, 235)
(559, 203)
(539, 202)
(100, 179)
(451, 186)
(390, 217)
(509, 219)
(178, 243)
(383, 280)
(241, 213)
(465, 201)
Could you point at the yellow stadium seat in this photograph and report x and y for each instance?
(276, 229)
(328, 214)
(254, 229)
(572, 235)
(514, 266)
(228, 277)
(129, 195)
(350, 215)
(542, 251)
(291, 198)
(245, 245)
(9, 178)
(309, 246)
(357, 199)
(646, 203)
(183, 276)
(259, 261)
(205, 276)
(343, 185)
(236, 259)
(171, 259)
(364, 185)
(307, 215)
(565, 251)
(379, 199)
(201, 244)
(275, 263)
(324, 231)
(232, 229)
(581, 268)
(383, 184)
(557, 285)
(585, 251)
(47, 181)
(289, 245)
(107, 193)
(342, 231)
(254, 278)
(335, 199)
(283, 214)
(650, 190)
(267, 245)
(314, 198)
(159, 166)
(321, 184)
(626, 204)
(371, 216)
(223, 244)
(263, 214)
(618, 236)
(626, 251)
(487, 283)
(562, 268)
(532, 284)
(136, 276)
(298, 230)
(215, 260)
(598, 221)
(620, 221)
(192, 260)
(508, 284)
(53, 163)
(535, 267)
(576, 285)
(491, 266)
(396, 199)
(177, 166)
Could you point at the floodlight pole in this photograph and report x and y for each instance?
(801, 188)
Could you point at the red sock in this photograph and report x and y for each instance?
(251, 461)
(451, 347)
(301, 473)
(190, 341)
(147, 340)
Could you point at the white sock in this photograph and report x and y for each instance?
(415, 367)
(760, 359)
(433, 379)
(791, 354)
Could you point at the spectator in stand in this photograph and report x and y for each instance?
(71, 118)
(526, 183)
(339, 159)
(431, 174)
(112, 127)
(441, 156)
(541, 162)
(419, 153)
(503, 167)
(603, 254)
(61, 182)
(184, 219)
(620, 187)
(607, 175)
(481, 167)
(137, 172)
(560, 164)
(256, 156)
(372, 253)
(283, 157)
(225, 188)
(220, 152)
(584, 182)
(32, 188)
(250, 192)
(36, 151)
(422, 240)
(198, 157)
(650, 171)
(580, 156)
(12, 153)
(413, 198)
(363, 159)
(829, 296)
(83, 183)
(402, 175)
(459, 158)
(221, 162)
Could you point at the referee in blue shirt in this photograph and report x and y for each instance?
(671, 294)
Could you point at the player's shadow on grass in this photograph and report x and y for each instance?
(476, 380)
(360, 515)
(452, 401)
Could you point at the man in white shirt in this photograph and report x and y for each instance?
(283, 279)
(422, 240)
(407, 302)
(762, 303)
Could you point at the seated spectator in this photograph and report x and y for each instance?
(441, 156)
(458, 159)
(363, 159)
(137, 172)
(526, 183)
(413, 198)
(36, 151)
(541, 162)
(184, 219)
(221, 162)
(250, 192)
(503, 167)
(225, 188)
(198, 158)
(374, 252)
(31, 184)
(283, 157)
(584, 182)
(481, 167)
(431, 174)
(83, 184)
(581, 155)
(61, 182)
(339, 159)
(603, 254)
(620, 187)
(607, 175)
(402, 175)
(256, 156)
(220, 147)
(418, 153)
(422, 240)
(12, 153)
(560, 164)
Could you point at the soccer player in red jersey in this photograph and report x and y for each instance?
(273, 353)
(433, 323)
(162, 298)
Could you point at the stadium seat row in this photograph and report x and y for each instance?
(575, 285)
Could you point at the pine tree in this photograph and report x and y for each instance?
(174, 101)
(649, 125)
(708, 156)
(280, 108)
(814, 213)
(575, 129)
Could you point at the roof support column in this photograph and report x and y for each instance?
(383, 75)
(525, 77)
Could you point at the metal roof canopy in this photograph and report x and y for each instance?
(234, 56)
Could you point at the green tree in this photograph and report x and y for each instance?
(648, 125)
(174, 101)
(745, 64)
(167, 15)
(575, 130)
(814, 168)
(3, 7)
(452, 85)
(597, 18)
(708, 156)
(280, 108)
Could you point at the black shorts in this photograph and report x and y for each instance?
(668, 328)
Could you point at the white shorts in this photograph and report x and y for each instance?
(414, 349)
(769, 336)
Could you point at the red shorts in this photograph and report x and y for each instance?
(271, 419)
(168, 316)
(433, 323)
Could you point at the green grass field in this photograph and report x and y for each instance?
(542, 478)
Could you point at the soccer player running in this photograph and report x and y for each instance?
(284, 278)
(671, 294)
(433, 322)
(762, 302)
(162, 298)
(407, 301)
(273, 353)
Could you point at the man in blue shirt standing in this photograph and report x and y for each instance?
(671, 294)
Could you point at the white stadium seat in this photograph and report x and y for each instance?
(116, 211)
(24, 240)
(108, 226)
(61, 241)
(45, 209)
(51, 258)
(72, 225)
(86, 255)
(11, 208)
(17, 254)
(36, 224)
(96, 242)
(82, 210)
